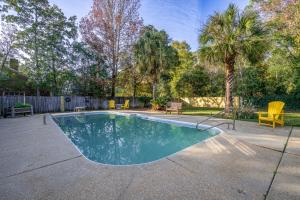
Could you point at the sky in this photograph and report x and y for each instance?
(181, 19)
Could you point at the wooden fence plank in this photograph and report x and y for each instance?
(45, 104)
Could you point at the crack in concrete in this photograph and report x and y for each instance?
(294, 154)
(264, 147)
(182, 166)
(47, 165)
(121, 196)
(275, 172)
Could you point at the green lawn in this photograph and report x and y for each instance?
(201, 111)
(291, 117)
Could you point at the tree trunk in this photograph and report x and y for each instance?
(5, 59)
(38, 91)
(54, 89)
(134, 93)
(229, 86)
(154, 90)
(113, 86)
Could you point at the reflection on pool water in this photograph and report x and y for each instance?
(123, 140)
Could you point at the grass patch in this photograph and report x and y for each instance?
(290, 117)
(201, 111)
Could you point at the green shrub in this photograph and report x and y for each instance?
(247, 112)
(144, 99)
(22, 105)
(160, 102)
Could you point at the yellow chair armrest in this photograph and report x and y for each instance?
(278, 114)
(261, 113)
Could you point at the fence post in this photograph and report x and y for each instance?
(62, 104)
(31, 110)
(13, 112)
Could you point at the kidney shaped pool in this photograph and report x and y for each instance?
(116, 139)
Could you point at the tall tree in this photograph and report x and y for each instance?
(251, 84)
(90, 69)
(130, 64)
(154, 54)
(44, 37)
(31, 17)
(61, 32)
(186, 62)
(193, 82)
(230, 35)
(108, 28)
(283, 18)
(8, 38)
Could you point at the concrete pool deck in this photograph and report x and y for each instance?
(39, 162)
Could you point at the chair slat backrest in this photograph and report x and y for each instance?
(111, 103)
(176, 106)
(275, 107)
(126, 104)
(179, 106)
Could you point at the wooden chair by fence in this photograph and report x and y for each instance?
(174, 107)
(12, 111)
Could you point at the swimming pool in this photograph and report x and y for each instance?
(118, 139)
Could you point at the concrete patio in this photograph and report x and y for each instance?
(39, 162)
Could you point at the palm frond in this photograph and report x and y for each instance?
(231, 33)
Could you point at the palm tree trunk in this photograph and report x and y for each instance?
(154, 91)
(229, 86)
(154, 85)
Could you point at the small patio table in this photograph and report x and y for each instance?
(79, 109)
(118, 106)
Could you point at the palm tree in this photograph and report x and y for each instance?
(154, 54)
(229, 36)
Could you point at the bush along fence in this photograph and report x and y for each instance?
(292, 102)
(209, 102)
(48, 104)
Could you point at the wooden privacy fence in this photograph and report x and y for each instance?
(70, 102)
(44, 104)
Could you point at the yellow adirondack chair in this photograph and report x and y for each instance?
(274, 115)
(125, 105)
(111, 104)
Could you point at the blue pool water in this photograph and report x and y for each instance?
(124, 140)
